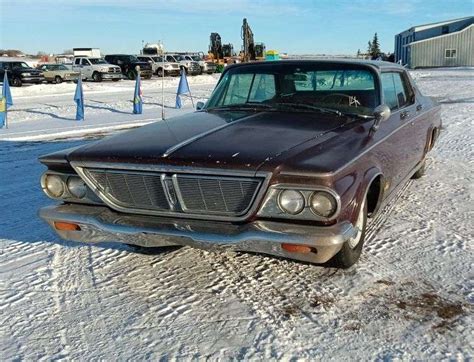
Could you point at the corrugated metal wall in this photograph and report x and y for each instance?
(431, 53)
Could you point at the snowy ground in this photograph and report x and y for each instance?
(410, 296)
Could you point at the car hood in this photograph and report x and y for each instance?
(224, 140)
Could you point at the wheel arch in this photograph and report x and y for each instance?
(372, 189)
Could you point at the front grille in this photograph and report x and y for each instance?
(138, 191)
(115, 70)
(150, 192)
(216, 194)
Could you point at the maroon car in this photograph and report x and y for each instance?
(286, 158)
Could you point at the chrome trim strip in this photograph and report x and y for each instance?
(184, 143)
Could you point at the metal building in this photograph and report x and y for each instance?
(444, 44)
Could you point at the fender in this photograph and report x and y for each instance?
(369, 176)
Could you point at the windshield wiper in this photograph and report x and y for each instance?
(311, 107)
(245, 106)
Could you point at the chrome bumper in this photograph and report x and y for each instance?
(100, 224)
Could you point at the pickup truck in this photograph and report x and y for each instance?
(19, 72)
(156, 62)
(96, 69)
(189, 66)
(129, 64)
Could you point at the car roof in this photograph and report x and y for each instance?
(378, 64)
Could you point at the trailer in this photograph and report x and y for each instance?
(87, 52)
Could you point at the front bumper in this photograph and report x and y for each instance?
(100, 224)
(107, 75)
(32, 79)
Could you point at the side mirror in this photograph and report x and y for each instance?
(199, 106)
(381, 114)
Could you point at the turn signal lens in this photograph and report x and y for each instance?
(66, 226)
(296, 248)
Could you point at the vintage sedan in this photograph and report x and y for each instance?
(58, 73)
(286, 158)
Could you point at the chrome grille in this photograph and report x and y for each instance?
(131, 190)
(162, 193)
(216, 194)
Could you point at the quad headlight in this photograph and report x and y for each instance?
(54, 186)
(302, 203)
(76, 187)
(291, 201)
(323, 204)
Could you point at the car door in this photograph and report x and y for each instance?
(401, 140)
(86, 68)
(76, 65)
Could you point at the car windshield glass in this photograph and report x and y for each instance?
(20, 65)
(62, 67)
(196, 58)
(132, 58)
(157, 59)
(97, 61)
(305, 87)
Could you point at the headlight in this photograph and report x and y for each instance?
(54, 186)
(323, 204)
(25, 74)
(76, 187)
(167, 66)
(291, 201)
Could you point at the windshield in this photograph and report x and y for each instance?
(131, 58)
(196, 58)
(62, 67)
(157, 59)
(97, 61)
(20, 65)
(298, 87)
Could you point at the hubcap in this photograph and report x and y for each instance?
(354, 241)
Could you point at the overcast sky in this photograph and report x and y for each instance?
(297, 27)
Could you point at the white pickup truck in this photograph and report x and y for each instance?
(96, 69)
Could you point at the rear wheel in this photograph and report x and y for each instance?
(352, 248)
(97, 77)
(159, 72)
(58, 79)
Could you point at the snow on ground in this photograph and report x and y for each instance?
(410, 296)
(47, 111)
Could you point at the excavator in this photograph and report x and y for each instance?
(224, 53)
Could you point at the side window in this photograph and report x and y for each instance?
(85, 62)
(402, 90)
(239, 88)
(77, 61)
(263, 88)
(389, 93)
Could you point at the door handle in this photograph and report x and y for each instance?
(419, 107)
(404, 115)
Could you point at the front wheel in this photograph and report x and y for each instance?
(131, 75)
(97, 77)
(58, 79)
(352, 248)
(16, 82)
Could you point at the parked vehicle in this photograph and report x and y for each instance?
(19, 72)
(96, 69)
(157, 65)
(206, 67)
(58, 73)
(189, 66)
(129, 64)
(286, 158)
(87, 52)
